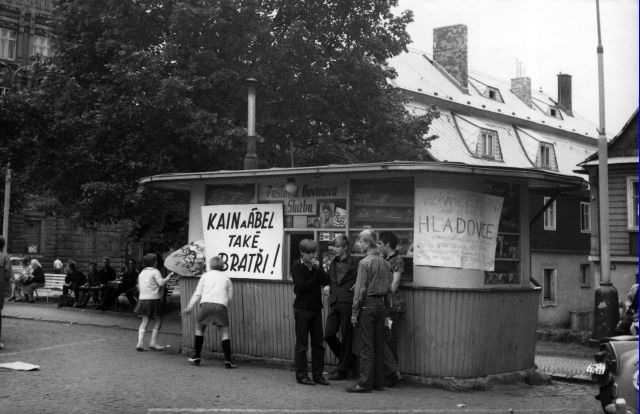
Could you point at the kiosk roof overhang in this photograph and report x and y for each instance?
(536, 178)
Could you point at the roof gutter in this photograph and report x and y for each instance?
(165, 180)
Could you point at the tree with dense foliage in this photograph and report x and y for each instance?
(145, 87)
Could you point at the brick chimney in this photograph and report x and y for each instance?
(450, 53)
(521, 87)
(564, 93)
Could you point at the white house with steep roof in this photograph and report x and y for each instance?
(485, 121)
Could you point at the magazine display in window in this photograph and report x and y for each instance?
(331, 214)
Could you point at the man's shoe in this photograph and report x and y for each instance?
(194, 361)
(306, 381)
(229, 365)
(12, 298)
(357, 388)
(321, 381)
(338, 376)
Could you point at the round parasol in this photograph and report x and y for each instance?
(189, 260)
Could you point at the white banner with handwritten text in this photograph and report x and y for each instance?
(248, 238)
(455, 228)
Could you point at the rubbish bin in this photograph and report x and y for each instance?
(580, 320)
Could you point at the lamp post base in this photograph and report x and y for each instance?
(606, 312)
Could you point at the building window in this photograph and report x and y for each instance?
(8, 44)
(585, 217)
(554, 112)
(493, 93)
(546, 157)
(632, 203)
(585, 279)
(550, 215)
(488, 145)
(33, 235)
(40, 46)
(549, 286)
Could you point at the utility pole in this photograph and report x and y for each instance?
(606, 314)
(7, 200)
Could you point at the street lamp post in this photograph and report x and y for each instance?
(606, 296)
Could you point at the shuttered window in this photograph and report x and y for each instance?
(585, 217)
(550, 215)
(546, 157)
(488, 145)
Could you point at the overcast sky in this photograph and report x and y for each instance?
(548, 36)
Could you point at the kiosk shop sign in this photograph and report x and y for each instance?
(248, 238)
(455, 228)
(303, 201)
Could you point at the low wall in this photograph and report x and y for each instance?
(444, 333)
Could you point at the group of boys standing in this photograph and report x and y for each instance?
(364, 309)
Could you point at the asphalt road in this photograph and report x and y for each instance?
(94, 369)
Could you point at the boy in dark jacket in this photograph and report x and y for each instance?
(308, 280)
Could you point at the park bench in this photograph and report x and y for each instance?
(53, 282)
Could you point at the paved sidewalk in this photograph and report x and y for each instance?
(559, 367)
(120, 319)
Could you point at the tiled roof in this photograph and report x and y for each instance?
(458, 132)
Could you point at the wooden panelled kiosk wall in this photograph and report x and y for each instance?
(458, 322)
(458, 333)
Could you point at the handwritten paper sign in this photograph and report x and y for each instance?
(248, 238)
(455, 228)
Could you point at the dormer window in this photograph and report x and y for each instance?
(485, 90)
(554, 112)
(546, 157)
(493, 93)
(549, 108)
(488, 145)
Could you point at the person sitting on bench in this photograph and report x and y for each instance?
(35, 281)
(74, 280)
(124, 283)
(92, 287)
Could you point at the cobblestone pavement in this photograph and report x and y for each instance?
(564, 368)
(95, 369)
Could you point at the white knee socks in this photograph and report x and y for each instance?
(140, 337)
